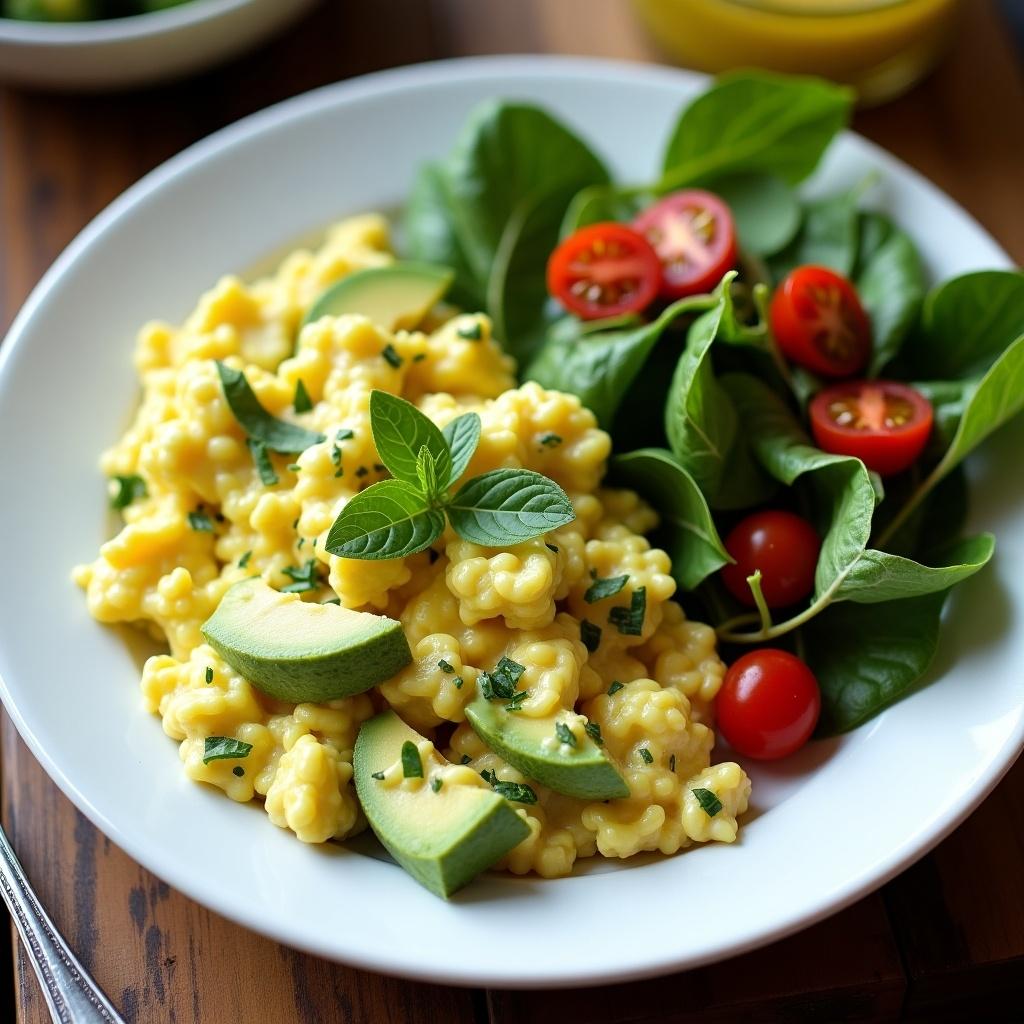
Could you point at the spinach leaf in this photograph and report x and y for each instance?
(890, 281)
(764, 207)
(966, 324)
(600, 366)
(867, 656)
(597, 203)
(827, 237)
(687, 531)
(755, 121)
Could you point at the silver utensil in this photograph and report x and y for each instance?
(72, 996)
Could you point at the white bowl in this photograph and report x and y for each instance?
(138, 50)
(826, 827)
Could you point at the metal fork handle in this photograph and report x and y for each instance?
(70, 993)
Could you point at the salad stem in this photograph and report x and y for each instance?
(754, 582)
(730, 631)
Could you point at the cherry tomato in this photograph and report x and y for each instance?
(785, 549)
(768, 705)
(604, 270)
(819, 323)
(882, 423)
(694, 236)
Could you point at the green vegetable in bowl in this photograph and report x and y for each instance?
(52, 10)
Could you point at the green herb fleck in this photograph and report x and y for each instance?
(391, 355)
(590, 635)
(209, 674)
(377, 775)
(419, 357)
(646, 755)
(501, 682)
(200, 521)
(593, 730)
(630, 621)
(615, 687)
(516, 703)
(294, 467)
(412, 764)
(222, 748)
(549, 440)
(129, 488)
(261, 456)
(672, 763)
(238, 770)
(304, 577)
(565, 734)
(711, 804)
(552, 547)
(465, 759)
(361, 472)
(516, 791)
(445, 666)
(244, 560)
(458, 682)
(332, 600)
(344, 434)
(435, 785)
(301, 402)
(470, 332)
(602, 588)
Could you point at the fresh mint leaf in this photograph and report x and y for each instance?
(506, 506)
(277, 435)
(708, 801)
(462, 436)
(224, 748)
(261, 456)
(412, 763)
(601, 589)
(389, 519)
(400, 430)
(630, 621)
(301, 402)
(128, 489)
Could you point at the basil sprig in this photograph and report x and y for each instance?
(399, 517)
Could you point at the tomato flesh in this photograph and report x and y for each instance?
(783, 547)
(883, 423)
(604, 270)
(768, 705)
(693, 233)
(819, 323)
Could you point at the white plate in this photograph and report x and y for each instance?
(137, 50)
(825, 829)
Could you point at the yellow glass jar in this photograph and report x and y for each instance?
(881, 47)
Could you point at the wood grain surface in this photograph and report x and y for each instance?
(944, 941)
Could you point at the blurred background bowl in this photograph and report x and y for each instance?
(137, 50)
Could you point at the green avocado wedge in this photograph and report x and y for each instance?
(442, 830)
(303, 652)
(579, 768)
(395, 297)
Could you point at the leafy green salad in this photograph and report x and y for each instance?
(81, 10)
(779, 377)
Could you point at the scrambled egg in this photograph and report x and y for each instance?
(207, 520)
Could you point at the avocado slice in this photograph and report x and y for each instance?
(395, 297)
(445, 827)
(299, 651)
(532, 745)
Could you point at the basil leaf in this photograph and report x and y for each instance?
(426, 473)
(765, 209)
(687, 531)
(755, 121)
(277, 435)
(600, 366)
(506, 506)
(967, 323)
(866, 656)
(224, 748)
(827, 237)
(390, 519)
(462, 436)
(129, 489)
(400, 430)
(890, 281)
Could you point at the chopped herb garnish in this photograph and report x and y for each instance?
(516, 703)
(336, 455)
(302, 540)
(435, 785)
(552, 547)
(295, 523)
(465, 759)
(200, 521)
(593, 730)
(332, 600)
(222, 748)
(432, 555)
(501, 682)
(244, 560)
(550, 440)
(672, 763)
(458, 682)
(391, 356)
(615, 687)
(344, 434)
(590, 635)
(294, 467)
(711, 804)
(565, 734)
(517, 791)
(602, 588)
(129, 488)
(646, 755)
(419, 357)
(470, 332)
(445, 666)
(412, 764)
(301, 402)
(361, 472)
(304, 577)
(339, 472)
(630, 621)
(377, 775)
(261, 456)
(238, 770)
(209, 674)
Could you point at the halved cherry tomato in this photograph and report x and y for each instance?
(884, 424)
(694, 236)
(819, 322)
(783, 547)
(768, 705)
(604, 270)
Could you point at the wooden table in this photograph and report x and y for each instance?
(943, 941)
